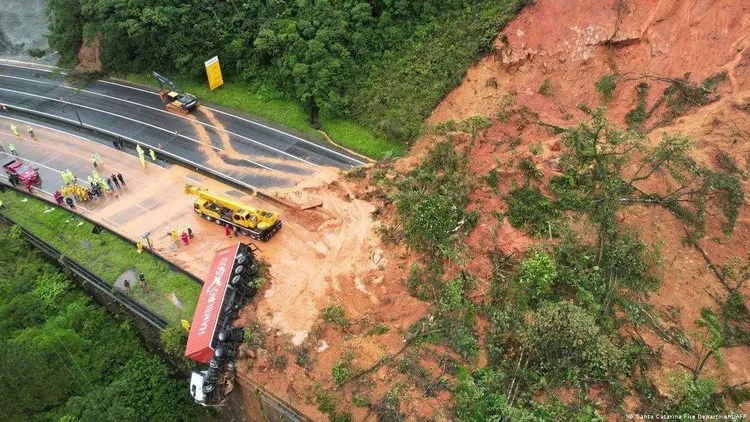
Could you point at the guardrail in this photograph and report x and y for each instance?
(48, 198)
(273, 407)
(174, 158)
(90, 278)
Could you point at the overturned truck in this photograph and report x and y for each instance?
(213, 340)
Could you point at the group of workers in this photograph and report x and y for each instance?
(97, 186)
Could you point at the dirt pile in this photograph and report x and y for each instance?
(327, 256)
(89, 61)
(678, 67)
(547, 63)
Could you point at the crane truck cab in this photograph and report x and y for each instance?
(256, 223)
(213, 340)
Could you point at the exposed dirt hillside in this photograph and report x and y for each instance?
(569, 47)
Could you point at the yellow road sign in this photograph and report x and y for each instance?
(213, 71)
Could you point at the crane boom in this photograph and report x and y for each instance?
(221, 199)
(251, 221)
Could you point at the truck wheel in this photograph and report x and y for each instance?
(208, 388)
(245, 232)
(219, 222)
(208, 217)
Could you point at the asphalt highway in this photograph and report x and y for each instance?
(235, 145)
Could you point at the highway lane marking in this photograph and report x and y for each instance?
(161, 151)
(36, 163)
(40, 189)
(27, 63)
(290, 135)
(123, 117)
(162, 111)
(212, 109)
(251, 122)
(60, 131)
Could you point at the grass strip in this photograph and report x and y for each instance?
(106, 255)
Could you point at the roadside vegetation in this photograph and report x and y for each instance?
(65, 358)
(106, 255)
(383, 65)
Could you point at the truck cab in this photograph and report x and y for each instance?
(197, 383)
(24, 171)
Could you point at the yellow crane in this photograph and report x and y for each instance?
(253, 222)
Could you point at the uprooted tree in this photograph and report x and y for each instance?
(606, 168)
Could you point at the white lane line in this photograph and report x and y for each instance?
(40, 189)
(161, 151)
(59, 131)
(26, 63)
(289, 135)
(130, 119)
(221, 112)
(165, 112)
(249, 121)
(47, 127)
(127, 86)
(212, 109)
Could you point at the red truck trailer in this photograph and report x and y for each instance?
(212, 339)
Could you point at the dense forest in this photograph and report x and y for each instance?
(384, 63)
(66, 359)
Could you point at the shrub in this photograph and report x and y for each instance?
(563, 342)
(528, 208)
(431, 222)
(529, 169)
(174, 340)
(431, 201)
(280, 361)
(456, 317)
(37, 52)
(342, 369)
(255, 336)
(505, 107)
(335, 314)
(546, 88)
(635, 117)
(492, 178)
(378, 330)
(360, 400)
(388, 408)
(536, 274)
(605, 86)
